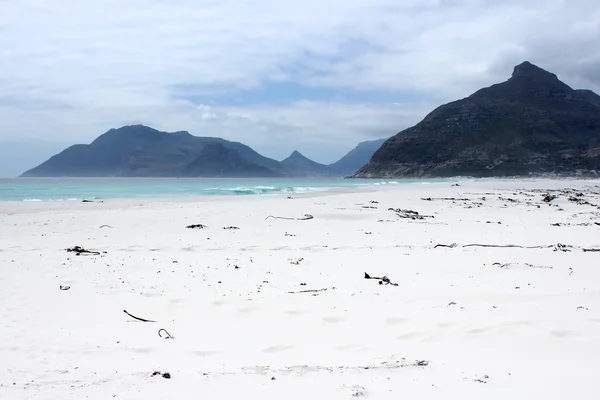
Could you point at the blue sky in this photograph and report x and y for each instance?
(277, 75)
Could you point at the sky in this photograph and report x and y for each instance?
(277, 75)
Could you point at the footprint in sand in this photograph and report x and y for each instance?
(396, 320)
(415, 336)
(246, 310)
(206, 353)
(333, 320)
(277, 349)
(565, 334)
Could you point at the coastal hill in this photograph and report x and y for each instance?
(530, 124)
(357, 157)
(298, 165)
(141, 151)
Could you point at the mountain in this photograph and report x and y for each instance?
(298, 165)
(530, 124)
(356, 158)
(216, 160)
(139, 150)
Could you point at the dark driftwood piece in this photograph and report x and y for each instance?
(591, 250)
(557, 247)
(444, 199)
(382, 280)
(312, 290)
(138, 318)
(196, 226)
(409, 214)
(305, 218)
(78, 250)
(230, 227)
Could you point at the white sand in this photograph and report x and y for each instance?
(237, 328)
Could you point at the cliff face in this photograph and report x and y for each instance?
(531, 124)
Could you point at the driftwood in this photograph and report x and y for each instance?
(167, 333)
(382, 280)
(312, 290)
(409, 214)
(231, 227)
(557, 247)
(196, 226)
(105, 226)
(306, 217)
(591, 250)
(138, 318)
(78, 250)
(444, 199)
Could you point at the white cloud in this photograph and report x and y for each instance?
(71, 70)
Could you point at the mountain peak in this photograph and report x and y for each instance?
(528, 70)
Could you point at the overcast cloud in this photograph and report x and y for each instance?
(317, 76)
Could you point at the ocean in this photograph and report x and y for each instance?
(77, 189)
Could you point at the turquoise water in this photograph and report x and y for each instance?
(73, 189)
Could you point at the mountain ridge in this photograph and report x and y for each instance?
(531, 124)
(142, 151)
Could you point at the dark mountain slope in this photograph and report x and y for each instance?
(141, 151)
(531, 124)
(298, 165)
(356, 158)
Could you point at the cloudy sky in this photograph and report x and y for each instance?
(278, 75)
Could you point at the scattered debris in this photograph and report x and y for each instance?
(382, 280)
(444, 199)
(196, 226)
(231, 227)
(78, 250)
(373, 202)
(582, 308)
(165, 375)
(304, 218)
(139, 319)
(506, 265)
(65, 287)
(296, 261)
(548, 198)
(422, 363)
(167, 333)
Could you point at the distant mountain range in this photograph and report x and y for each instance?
(531, 124)
(141, 151)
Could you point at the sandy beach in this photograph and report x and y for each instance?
(279, 308)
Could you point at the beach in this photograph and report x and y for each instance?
(268, 299)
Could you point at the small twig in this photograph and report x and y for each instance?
(168, 334)
(105, 226)
(139, 319)
(305, 218)
(312, 290)
(196, 226)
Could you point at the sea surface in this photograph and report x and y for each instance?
(77, 189)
